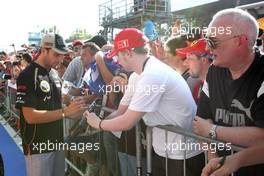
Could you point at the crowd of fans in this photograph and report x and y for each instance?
(210, 85)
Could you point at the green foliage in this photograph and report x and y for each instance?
(52, 29)
(78, 34)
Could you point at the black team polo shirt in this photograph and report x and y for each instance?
(40, 89)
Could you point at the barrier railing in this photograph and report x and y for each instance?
(139, 141)
(180, 131)
(8, 103)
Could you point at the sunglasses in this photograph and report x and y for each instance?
(213, 42)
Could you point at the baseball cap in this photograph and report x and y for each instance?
(77, 43)
(196, 46)
(98, 40)
(54, 41)
(127, 39)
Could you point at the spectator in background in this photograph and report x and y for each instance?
(3, 56)
(176, 60)
(26, 60)
(98, 40)
(62, 67)
(79, 65)
(260, 41)
(77, 46)
(198, 60)
(232, 99)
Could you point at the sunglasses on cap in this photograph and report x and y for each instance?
(213, 42)
(199, 54)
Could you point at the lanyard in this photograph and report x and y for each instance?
(144, 64)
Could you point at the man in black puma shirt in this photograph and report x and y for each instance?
(233, 93)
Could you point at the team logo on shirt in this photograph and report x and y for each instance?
(44, 86)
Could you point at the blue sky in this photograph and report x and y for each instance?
(18, 17)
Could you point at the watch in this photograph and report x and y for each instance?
(212, 132)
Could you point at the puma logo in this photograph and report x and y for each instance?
(238, 105)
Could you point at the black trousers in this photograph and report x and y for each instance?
(194, 166)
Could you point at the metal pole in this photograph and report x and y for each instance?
(184, 159)
(74, 167)
(166, 159)
(138, 149)
(149, 150)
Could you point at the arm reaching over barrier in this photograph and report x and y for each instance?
(247, 157)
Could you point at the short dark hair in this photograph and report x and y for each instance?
(27, 57)
(3, 53)
(92, 46)
(175, 43)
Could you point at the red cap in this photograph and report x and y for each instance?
(197, 46)
(127, 39)
(77, 43)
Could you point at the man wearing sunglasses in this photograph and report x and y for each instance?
(232, 96)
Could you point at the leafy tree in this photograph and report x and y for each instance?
(78, 34)
(51, 29)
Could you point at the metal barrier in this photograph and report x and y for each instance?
(8, 103)
(180, 131)
(139, 140)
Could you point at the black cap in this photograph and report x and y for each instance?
(98, 40)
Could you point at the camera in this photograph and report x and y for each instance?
(5, 76)
(16, 63)
(11, 63)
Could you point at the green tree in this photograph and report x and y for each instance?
(78, 34)
(51, 29)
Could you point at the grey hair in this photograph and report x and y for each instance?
(242, 21)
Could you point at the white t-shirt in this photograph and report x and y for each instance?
(129, 92)
(164, 95)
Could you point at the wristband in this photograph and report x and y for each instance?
(62, 113)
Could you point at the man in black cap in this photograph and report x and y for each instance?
(39, 102)
(98, 40)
